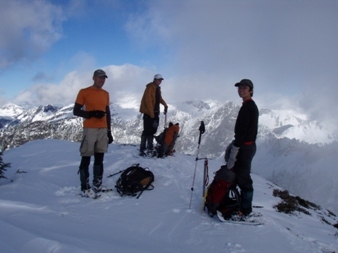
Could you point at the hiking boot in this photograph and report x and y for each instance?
(84, 177)
(97, 175)
(239, 216)
(143, 142)
(87, 193)
(97, 189)
(150, 139)
(246, 211)
(151, 153)
(100, 188)
(142, 153)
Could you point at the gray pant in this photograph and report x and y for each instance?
(94, 140)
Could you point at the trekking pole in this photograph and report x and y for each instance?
(111, 175)
(165, 120)
(205, 175)
(202, 130)
(205, 183)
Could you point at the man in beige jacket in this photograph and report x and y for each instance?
(150, 107)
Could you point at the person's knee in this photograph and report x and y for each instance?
(98, 158)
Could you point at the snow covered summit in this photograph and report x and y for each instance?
(40, 210)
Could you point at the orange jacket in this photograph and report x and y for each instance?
(149, 99)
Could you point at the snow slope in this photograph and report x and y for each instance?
(40, 210)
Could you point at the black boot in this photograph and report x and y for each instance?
(97, 178)
(150, 139)
(143, 145)
(246, 202)
(150, 152)
(84, 178)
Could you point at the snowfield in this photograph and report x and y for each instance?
(41, 211)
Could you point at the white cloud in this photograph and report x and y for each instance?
(288, 49)
(125, 80)
(27, 29)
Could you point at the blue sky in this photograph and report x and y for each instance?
(289, 49)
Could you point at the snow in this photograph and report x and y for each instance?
(10, 110)
(305, 170)
(40, 210)
(294, 125)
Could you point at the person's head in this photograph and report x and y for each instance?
(245, 88)
(99, 78)
(158, 79)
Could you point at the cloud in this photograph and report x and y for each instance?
(50, 93)
(123, 81)
(2, 100)
(27, 28)
(288, 48)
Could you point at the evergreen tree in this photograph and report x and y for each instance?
(3, 167)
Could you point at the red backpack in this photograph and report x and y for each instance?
(222, 194)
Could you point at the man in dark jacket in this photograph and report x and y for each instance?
(150, 107)
(242, 149)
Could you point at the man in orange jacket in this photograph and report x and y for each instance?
(92, 104)
(150, 107)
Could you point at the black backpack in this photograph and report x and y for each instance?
(133, 180)
(222, 194)
(159, 152)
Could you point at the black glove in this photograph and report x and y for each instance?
(96, 114)
(110, 137)
(165, 110)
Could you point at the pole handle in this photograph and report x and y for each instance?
(202, 130)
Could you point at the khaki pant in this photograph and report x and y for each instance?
(94, 140)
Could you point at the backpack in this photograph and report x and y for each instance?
(166, 140)
(222, 194)
(134, 179)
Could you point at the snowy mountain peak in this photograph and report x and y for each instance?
(294, 125)
(10, 110)
(47, 109)
(219, 119)
(200, 105)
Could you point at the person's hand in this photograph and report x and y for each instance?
(232, 157)
(96, 114)
(165, 110)
(110, 137)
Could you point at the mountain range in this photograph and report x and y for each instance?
(290, 146)
(19, 125)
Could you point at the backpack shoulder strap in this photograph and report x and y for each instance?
(146, 188)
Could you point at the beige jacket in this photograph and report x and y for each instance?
(149, 99)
